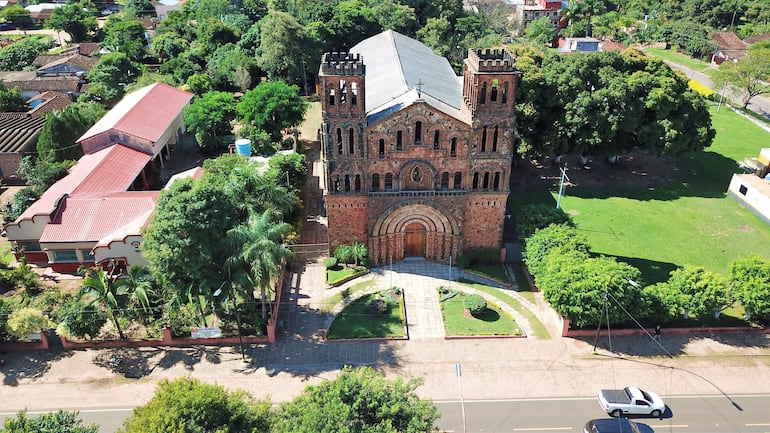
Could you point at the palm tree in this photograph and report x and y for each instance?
(256, 192)
(137, 286)
(100, 287)
(358, 252)
(258, 252)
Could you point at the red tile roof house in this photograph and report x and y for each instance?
(95, 215)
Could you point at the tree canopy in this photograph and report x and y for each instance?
(52, 422)
(209, 117)
(187, 405)
(606, 103)
(751, 285)
(74, 19)
(359, 400)
(110, 75)
(749, 76)
(271, 107)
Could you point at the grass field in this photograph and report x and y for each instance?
(492, 321)
(539, 329)
(676, 57)
(688, 220)
(357, 321)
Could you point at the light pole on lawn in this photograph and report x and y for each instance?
(459, 372)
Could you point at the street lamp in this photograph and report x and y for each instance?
(459, 372)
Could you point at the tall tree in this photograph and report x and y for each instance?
(17, 15)
(187, 405)
(11, 100)
(209, 117)
(749, 76)
(74, 19)
(271, 107)
(99, 288)
(110, 75)
(259, 251)
(126, 36)
(751, 285)
(703, 293)
(184, 242)
(21, 54)
(359, 400)
(58, 139)
(541, 31)
(285, 44)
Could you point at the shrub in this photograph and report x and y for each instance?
(464, 261)
(80, 320)
(344, 253)
(701, 89)
(180, 320)
(330, 262)
(21, 277)
(533, 217)
(27, 321)
(377, 306)
(475, 303)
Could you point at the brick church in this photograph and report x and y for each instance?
(416, 159)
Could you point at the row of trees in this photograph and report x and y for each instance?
(358, 400)
(584, 288)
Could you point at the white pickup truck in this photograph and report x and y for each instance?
(631, 401)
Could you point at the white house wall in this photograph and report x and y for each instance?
(752, 195)
(128, 248)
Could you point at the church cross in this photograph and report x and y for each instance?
(419, 85)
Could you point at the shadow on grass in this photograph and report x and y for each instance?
(652, 270)
(488, 315)
(635, 176)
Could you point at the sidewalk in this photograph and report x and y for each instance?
(492, 368)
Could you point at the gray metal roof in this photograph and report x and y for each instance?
(395, 64)
(19, 132)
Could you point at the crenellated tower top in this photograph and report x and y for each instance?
(342, 64)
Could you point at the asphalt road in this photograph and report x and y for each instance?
(685, 414)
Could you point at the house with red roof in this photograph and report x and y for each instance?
(150, 120)
(95, 214)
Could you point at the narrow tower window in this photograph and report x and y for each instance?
(453, 150)
(458, 181)
(339, 141)
(375, 182)
(399, 140)
(389, 182)
(418, 132)
(484, 140)
(343, 92)
(493, 93)
(351, 140)
(353, 93)
(483, 94)
(494, 140)
(381, 149)
(445, 180)
(435, 140)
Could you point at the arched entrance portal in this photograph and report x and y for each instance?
(415, 229)
(415, 240)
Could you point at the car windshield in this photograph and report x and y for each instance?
(645, 395)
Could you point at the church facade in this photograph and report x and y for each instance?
(416, 159)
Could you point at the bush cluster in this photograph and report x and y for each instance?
(478, 256)
(475, 303)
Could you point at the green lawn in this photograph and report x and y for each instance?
(492, 322)
(679, 58)
(358, 320)
(525, 289)
(687, 221)
(541, 332)
(331, 301)
(494, 271)
(339, 273)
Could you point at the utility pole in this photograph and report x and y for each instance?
(561, 185)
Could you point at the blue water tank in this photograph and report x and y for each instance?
(243, 146)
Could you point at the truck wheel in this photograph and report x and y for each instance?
(655, 413)
(617, 413)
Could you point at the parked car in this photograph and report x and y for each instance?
(620, 425)
(630, 401)
(7, 26)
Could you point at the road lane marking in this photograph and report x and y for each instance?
(670, 425)
(542, 428)
(762, 424)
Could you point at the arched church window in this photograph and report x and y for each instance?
(453, 150)
(347, 183)
(494, 140)
(399, 140)
(357, 185)
(375, 182)
(353, 93)
(445, 180)
(496, 181)
(486, 180)
(493, 93)
(381, 148)
(458, 184)
(476, 180)
(339, 141)
(351, 140)
(435, 140)
(418, 132)
(331, 97)
(389, 182)
(484, 139)
(483, 94)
